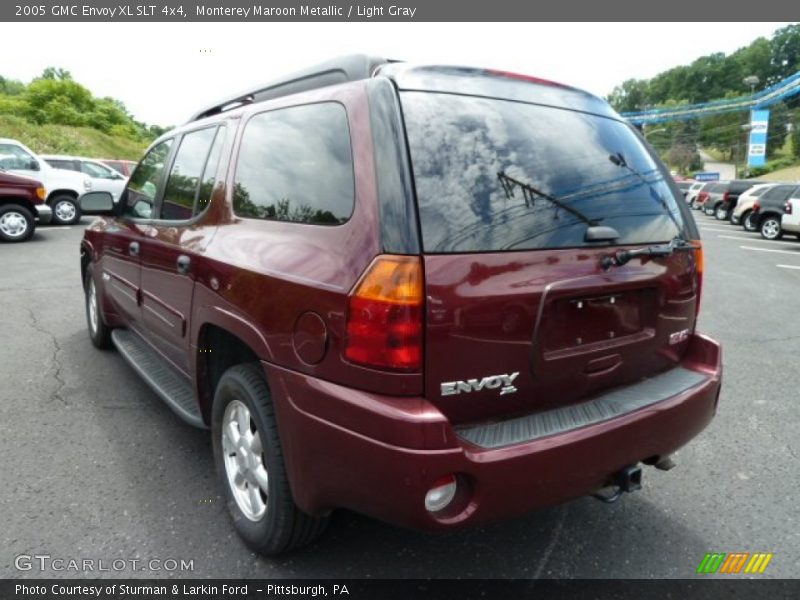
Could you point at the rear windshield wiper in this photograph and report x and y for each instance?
(624, 256)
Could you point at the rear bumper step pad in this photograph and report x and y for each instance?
(613, 404)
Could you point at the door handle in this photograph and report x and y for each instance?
(184, 263)
(133, 248)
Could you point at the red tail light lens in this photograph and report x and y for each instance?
(788, 208)
(385, 314)
(756, 206)
(699, 265)
(726, 196)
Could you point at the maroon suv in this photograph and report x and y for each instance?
(437, 296)
(22, 203)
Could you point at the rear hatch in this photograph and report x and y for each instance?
(522, 316)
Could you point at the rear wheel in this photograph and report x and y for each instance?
(66, 210)
(748, 222)
(721, 213)
(16, 223)
(770, 228)
(249, 461)
(709, 211)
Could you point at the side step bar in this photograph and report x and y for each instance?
(169, 385)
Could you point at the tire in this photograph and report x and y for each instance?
(747, 221)
(721, 213)
(66, 210)
(268, 520)
(770, 228)
(99, 332)
(709, 211)
(17, 223)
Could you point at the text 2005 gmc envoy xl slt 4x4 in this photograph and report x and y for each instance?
(434, 295)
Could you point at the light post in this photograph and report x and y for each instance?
(752, 81)
(746, 129)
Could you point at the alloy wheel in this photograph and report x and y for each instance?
(244, 460)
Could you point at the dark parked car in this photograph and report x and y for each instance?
(768, 211)
(724, 208)
(437, 296)
(700, 196)
(22, 202)
(712, 196)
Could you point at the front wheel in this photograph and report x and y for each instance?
(16, 223)
(721, 213)
(66, 210)
(249, 461)
(771, 228)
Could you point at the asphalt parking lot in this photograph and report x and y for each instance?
(94, 465)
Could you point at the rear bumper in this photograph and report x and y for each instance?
(379, 455)
(791, 223)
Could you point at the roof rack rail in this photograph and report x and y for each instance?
(338, 70)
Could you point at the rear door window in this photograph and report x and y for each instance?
(495, 175)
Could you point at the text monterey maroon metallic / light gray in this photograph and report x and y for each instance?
(438, 296)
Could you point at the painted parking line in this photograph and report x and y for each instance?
(758, 240)
(55, 228)
(723, 230)
(789, 266)
(795, 253)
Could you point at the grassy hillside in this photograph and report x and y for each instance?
(64, 139)
(788, 174)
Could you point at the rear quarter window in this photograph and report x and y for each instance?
(296, 164)
(484, 168)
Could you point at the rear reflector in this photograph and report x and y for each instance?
(384, 315)
(441, 494)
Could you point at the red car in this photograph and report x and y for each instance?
(22, 202)
(124, 167)
(437, 296)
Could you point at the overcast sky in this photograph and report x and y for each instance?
(163, 72)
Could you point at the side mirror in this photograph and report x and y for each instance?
(33, 165)
(98, 203)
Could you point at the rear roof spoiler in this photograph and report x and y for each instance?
(332, 72)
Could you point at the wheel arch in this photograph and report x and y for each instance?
(22, 201)
(218, 349)
(61, 192)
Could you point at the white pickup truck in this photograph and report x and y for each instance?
(63, 187)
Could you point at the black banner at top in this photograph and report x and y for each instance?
(394, 11)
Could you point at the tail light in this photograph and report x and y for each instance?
(787, 208)
(384, 315)
(726, 196)
(698, 268)
(702, 197)
(756, 206)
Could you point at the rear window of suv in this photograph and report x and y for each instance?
(496, 175)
